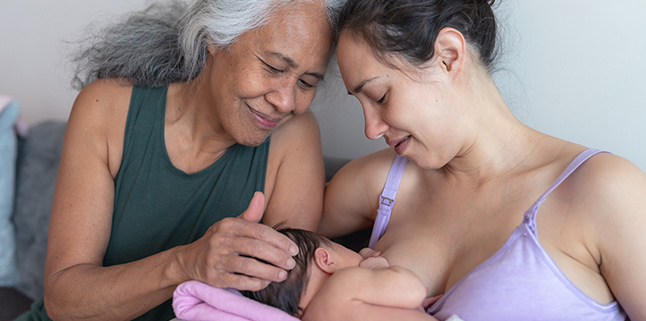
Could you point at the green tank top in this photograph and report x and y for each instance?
(156, 205)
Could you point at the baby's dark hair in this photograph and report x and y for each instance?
(287, 294)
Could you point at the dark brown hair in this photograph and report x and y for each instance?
(410, 27)
(287, 294)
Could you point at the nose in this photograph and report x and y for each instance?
(375, 126)
(283, 96)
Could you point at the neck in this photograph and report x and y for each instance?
(499, 142)
(315, 283)
(190, 115)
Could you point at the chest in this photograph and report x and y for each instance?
(442, 235)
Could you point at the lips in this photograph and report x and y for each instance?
(263, 120)
(399, 145)
(395, 143)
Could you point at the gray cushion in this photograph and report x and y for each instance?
(38, 160)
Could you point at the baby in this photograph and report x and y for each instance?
(331, 282)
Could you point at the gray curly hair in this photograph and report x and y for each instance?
(167, 42)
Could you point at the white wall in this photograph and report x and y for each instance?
(33, 59)
(572, 69)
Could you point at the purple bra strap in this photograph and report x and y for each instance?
(387, 199)
(530, 215)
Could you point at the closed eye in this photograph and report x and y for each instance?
(305, 84)
(382, 99)
(271, 68)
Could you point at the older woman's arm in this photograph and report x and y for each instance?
(295, 174)
(77, 285)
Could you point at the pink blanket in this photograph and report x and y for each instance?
(193, 301)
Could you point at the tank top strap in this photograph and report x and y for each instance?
(387, 199)
(530, 214)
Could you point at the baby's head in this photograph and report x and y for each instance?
(287, 295)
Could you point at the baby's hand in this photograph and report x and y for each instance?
(367, 252)
(374, 263)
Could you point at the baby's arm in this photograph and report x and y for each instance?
(392, 286)
(356, 293)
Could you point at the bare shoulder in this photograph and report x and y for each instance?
(612, 191)
(101, 102)
(109, 93)
(610, 184)
(369, 170)
(300, 133)
(607, 199)
(98, 117)
(303, 124)
(295, 174)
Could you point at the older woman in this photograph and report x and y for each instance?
(506, 222)
(189, 111)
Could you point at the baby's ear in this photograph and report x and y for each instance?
(324, 260)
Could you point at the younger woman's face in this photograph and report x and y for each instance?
(410, 107)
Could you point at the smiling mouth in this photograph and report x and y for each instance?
(395, 144)
(263, 120)
(402, 141)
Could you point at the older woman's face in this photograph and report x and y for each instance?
(270, 74)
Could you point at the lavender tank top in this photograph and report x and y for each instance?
(387, 199)
(522, 282)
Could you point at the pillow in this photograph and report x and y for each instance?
(38, 158)
(8, 149)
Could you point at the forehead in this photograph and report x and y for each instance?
(357, 61)
(299, 30)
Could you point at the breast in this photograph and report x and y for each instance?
(419, 250)
(442, 249)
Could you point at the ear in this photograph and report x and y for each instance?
(324, 260)
(450, 49)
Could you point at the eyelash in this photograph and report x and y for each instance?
(272, 69)
(275, 70)
(305, 84)
(382, 99)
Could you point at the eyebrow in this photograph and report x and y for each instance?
(359, 87)
(293, 64)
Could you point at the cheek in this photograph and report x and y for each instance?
(303, 101)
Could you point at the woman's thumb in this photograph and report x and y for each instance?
(256, 208)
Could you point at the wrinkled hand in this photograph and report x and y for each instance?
(232, 251)
(372, 260)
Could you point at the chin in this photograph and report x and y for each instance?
(253, 140)
(424, 162)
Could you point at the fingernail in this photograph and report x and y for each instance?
(282, 275)
(291, 263)
(293, 250)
